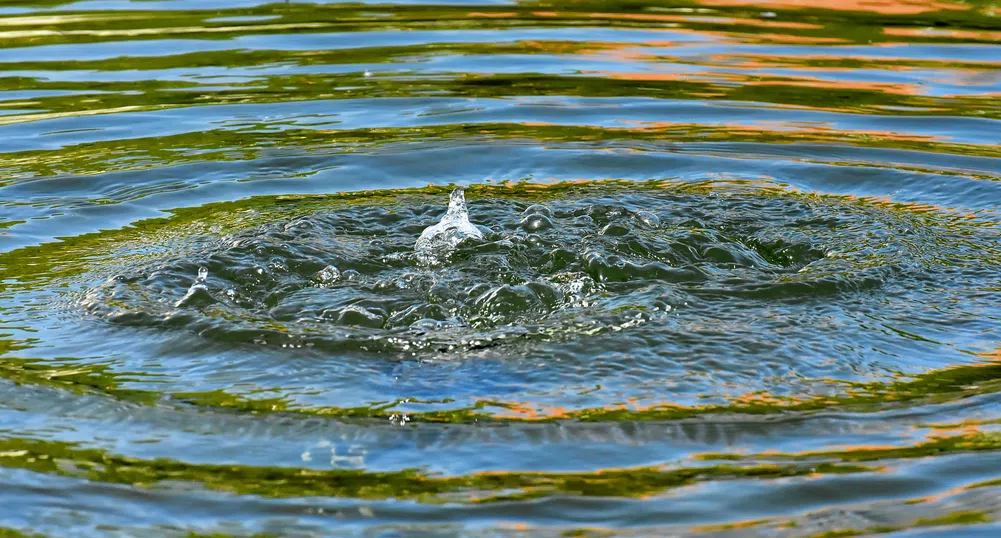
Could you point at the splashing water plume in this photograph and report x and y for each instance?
(438, 241)
(198, 293)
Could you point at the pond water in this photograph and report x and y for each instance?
(726, 268)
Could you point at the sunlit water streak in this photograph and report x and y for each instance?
(725, 269)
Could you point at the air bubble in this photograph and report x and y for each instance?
(537, 209)
(328, 274)
(647, 218)
(535, 223)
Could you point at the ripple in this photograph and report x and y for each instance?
(659, 280)
(231, 303)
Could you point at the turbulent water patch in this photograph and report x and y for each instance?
(673, 277)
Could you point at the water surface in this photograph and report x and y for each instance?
(734, 270)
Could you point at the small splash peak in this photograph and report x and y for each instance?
(457, 205)
(198, 294)
(440, 240)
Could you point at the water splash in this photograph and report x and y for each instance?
(198, 294)
(440, 240)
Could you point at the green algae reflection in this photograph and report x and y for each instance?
(67, 460)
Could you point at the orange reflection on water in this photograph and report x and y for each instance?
(885, 7)
(936, 32)
(714, 20)
(520, 411)
(786, 63)
(813, 82)
(650, 17)
(964, 429)
(515, 526)
(505, 15)
(618, 75)
(730, 526)
(794, 132)
(758, 398)
(797, 39)
(883, 62)
(944, 495)
(745, 79)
